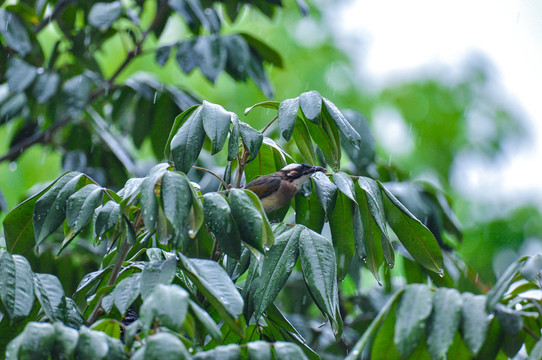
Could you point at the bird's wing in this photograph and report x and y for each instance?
(264, 186)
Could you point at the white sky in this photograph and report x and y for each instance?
(398, 39)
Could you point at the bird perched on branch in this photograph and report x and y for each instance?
(278, 189)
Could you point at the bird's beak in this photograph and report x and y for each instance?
(315, 169)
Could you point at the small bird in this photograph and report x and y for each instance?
(278, 189)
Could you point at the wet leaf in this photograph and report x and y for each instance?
(149, 202)
(415, 237)
(14, 32)
(320, 274)
(311, 105)
(81, 206)
(210, 56)
(163, 345)
(342, 233)
(168, 304)
(325, 190)
(188, 141)
(219, 219)
(444, 322)
(50, 209)
(475, 321)
(126, 292)
(413, 309)
(278, 263)
(177, 202)
(207, 321)
(342, 124)
(216, 122)
(49, 292)
(248, 219)
(45, 86)
(106, 217)
(102, 15)
(303, 141)
(252, 139)
(155, 273)
(287, 117)
(19, 74)
(16, 286)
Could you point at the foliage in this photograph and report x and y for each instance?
(185, 263)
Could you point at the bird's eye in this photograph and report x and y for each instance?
(293, 174)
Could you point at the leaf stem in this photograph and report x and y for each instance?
(212, 173)
(268, 125)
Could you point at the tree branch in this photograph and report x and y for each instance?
(56, 12)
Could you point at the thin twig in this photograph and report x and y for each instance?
(268, 125)
(56, 12)
(212, 173)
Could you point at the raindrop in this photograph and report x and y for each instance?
(12, 166)
(389, 162)
(154, 100)
(304, 300)
(266, 248)
(40, 70)
(441, 274)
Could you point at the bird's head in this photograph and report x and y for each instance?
(297, 174)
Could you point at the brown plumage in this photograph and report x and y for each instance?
(278, 189)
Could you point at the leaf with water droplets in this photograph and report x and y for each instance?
(215, 284)
(50, 209)
(81, 206)
(102, 15)
(325, 190)
(248, 219)
(278, 263)
(14, 32)
(342, 233)
(216, 122)
(219, 219)
(287, 117)
(414, 308)
(186, 144)
(16, 286)
(149, 202)
(475, 321)
(444, 321)
(106, 217)
(415, 237)
(311, 105)
(320, 273)
(331, 111)
(177, 201)
(252, 139)
(19, 74)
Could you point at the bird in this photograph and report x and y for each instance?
(278, 189)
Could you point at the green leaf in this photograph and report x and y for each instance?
(536, 352)
(342, 233)
(164, 346)
(278, 263)
(81, 206)
(219, 219)
(303, 141)
(265, 104)
(102, 15)
(259, 350)
(91, 345)
(177, 201)
(168, 304)
(413, 309)
(18, 229)
(106, 217)
(287, 117)
(36, 341)
(288, 351)
(216, 122)
(126, 292)
(16, 286)
(222, 352)
(248, 219)
(309, 211)
(66, 339)
(233, 141)
(268, 236)
(210, 56)
(252, 139)
(311, 105)
(326, 136)
(415, 237)
(510, 320)
(444, 322)
(188, 141)
(215, 284)
(342, 124)
(49, 292)
(14, 32)
(265, 51)
(503, 283)
(238, 56)
(155, 273)
(68, 313)
(162, 54)
(203, 317)
(19, 74)
(475, 321)
(383, 347)
(50, 209)
(320, 274)
(149, 202)
(345, 184)
(325, 190)
(45, 86)
(76, 93)
(179, 121)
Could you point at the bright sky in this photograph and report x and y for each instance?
(396, 39)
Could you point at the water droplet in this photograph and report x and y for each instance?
(154, 99)
(12, 166)
(40, 70)
(441, 274)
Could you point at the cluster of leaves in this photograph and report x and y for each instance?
(57, 90)
(442, 323)
(165, 209)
